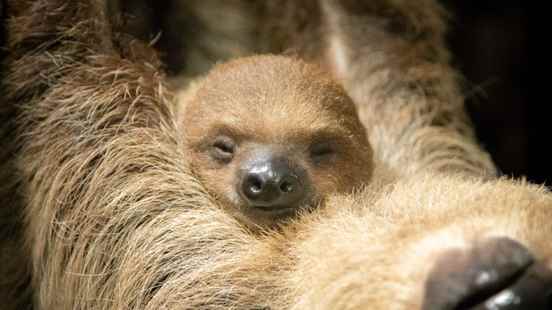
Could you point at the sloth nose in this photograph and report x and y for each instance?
(271, 184)
(496, 274)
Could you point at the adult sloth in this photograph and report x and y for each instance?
(111, 218)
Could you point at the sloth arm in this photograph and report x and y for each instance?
(113, 217)
(392, 59)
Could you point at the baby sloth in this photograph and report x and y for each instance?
(271, 135)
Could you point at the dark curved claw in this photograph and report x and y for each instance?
(497, 274)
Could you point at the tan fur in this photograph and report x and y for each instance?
(280, 102)
(112, 218)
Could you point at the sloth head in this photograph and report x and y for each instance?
(272, 135)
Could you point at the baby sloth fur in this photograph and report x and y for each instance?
(272, 135)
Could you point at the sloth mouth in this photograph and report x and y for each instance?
(282, 210)
(275, 210)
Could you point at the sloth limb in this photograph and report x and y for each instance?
(113, 219)
(392, 59)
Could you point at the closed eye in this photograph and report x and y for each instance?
(322, 151)
(223, 148)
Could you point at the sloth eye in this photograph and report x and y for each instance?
(223, 149)
(321, 152)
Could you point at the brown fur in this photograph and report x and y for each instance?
(280, 102)
(113, 218)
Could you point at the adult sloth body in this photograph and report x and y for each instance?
(111, 218)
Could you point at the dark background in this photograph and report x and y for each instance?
(489, 41)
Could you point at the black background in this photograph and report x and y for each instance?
(489, 41)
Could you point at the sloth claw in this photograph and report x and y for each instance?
(496, 274)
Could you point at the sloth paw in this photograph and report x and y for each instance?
(496, 274)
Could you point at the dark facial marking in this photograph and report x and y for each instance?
(322, 152)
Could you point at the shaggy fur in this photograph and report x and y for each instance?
(396, 70)
(111, 218)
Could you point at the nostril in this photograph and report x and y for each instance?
(260, 190)
(255, 184)
(292, 191)
(288, 185)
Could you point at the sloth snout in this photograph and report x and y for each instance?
(271, 184)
